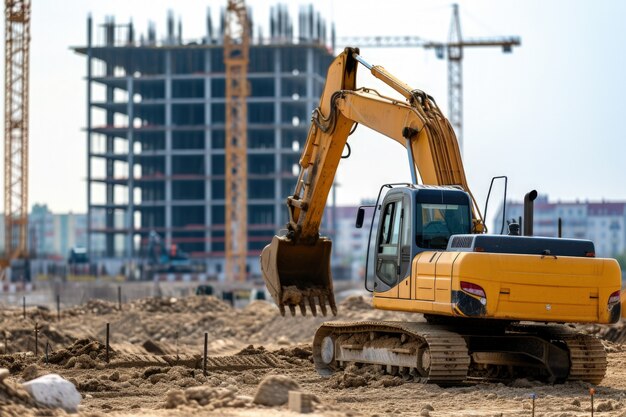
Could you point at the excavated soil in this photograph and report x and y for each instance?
(154, 366)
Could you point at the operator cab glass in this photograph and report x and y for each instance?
(413, 220)
(440, 214)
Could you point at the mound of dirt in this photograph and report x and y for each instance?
(356, 303)
(354, 377)
(304, 351)
(170, 305)
(209, 397)
(261, 321)
(615, 333)
(14, 400)
(177, 325)
(82, 354)
(17, 362)
(21, 336)
(251, 350)
(93, 306)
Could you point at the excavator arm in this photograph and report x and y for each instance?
(296, 267)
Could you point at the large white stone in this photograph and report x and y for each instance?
(53, 390)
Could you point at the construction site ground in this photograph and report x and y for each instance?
(155, 365)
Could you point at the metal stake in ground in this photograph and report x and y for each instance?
(58, 307)
(206, 348)
(177, 357)
(36, 339)
(107, 345)
(533, 396)
(592, 393)
(119, 297)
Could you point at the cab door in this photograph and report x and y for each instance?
(388, 252)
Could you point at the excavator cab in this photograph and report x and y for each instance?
(412, 220)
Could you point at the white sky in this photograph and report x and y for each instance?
(549, 115)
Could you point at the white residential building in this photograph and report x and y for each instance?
(602, 222)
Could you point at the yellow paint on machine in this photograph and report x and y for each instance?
(520, 287)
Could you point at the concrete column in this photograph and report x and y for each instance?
(278, 139)
(89, 81)
(110, 172)
(130, 111)
(168, 149)
(207, 153)
(311, 101)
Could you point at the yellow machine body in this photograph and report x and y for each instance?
(517, 287)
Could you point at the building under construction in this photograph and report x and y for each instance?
(156, 133)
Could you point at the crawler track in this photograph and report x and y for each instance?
(428, 353)
(450, 354)
(587, 357)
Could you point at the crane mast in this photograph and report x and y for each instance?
(236, 53)
(17, 40)
(455, 75)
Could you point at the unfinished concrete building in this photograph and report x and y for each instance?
(155, 134)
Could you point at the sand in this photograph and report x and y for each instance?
(155, 366)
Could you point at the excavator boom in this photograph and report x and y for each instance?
(296, 266)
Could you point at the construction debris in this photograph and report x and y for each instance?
(54, 391)
(274, 390)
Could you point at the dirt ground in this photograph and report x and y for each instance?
(155, 366)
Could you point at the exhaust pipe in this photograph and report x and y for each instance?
(529, 210)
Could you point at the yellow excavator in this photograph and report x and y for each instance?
(493, 304)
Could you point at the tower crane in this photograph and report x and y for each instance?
(453, 50)
(16, 69)
(236, 57)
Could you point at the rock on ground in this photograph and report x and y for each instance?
(274, 390)
(52, 390)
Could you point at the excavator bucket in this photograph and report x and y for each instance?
(298, 275)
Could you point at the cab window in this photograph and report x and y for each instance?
(437, 222)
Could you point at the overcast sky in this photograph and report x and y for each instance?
(549, 115)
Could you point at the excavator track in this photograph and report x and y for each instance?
(427, 353)
(587, 358)
(449, 355)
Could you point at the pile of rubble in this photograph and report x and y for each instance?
(82, 354)
(170, 305)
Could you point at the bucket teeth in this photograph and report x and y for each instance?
(322, 299)
(312, 305)
(333, 306)
(312, 298)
